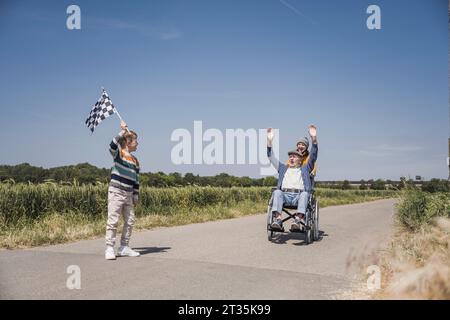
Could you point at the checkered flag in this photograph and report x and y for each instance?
(102, 109)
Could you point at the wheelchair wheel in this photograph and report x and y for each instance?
(269, 221)
(308, 231)
(316, 221)
(309, 228)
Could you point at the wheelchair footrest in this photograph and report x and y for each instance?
(302, 230)
(297, 230)
(275, 230)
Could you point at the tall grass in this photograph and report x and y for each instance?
(418, 208)
(417, 263)
(32, 201)
(21, 201)
(51, 213)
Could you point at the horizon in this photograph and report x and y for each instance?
(184, 174)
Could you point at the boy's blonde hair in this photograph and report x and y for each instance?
(128, 136)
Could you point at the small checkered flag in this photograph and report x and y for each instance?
(102, 109)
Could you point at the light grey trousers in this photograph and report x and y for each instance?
(120, 203)
(289, 198)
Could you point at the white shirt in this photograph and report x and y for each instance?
(292, 179)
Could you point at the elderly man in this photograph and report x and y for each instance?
(294, 180)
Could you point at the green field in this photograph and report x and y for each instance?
(41, 214)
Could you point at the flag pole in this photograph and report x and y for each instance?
(117, 112)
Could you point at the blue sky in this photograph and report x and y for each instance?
(379, 98)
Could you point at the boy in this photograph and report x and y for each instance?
(123, 192)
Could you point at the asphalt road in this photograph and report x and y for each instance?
(228, 259)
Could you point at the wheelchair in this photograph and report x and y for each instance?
(311, 225)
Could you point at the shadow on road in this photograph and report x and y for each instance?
(281, 238)
(147, 250)
(321, 235)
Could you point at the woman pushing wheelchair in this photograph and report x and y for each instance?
(295, 182)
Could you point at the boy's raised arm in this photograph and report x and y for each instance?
(114, 145)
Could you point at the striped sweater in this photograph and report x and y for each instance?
(125, 171)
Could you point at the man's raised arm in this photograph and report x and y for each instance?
(314, 148)
(273, 159)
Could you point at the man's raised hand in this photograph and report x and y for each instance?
(269, 137)
(312, 130)
(313, 133)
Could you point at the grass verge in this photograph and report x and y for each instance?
(417, 262)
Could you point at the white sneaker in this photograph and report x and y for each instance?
(109, 253)
(296, 224)
(127, 252)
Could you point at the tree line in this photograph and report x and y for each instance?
(434, 185)
(85, 173)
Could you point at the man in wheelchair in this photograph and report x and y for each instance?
(295, 182)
